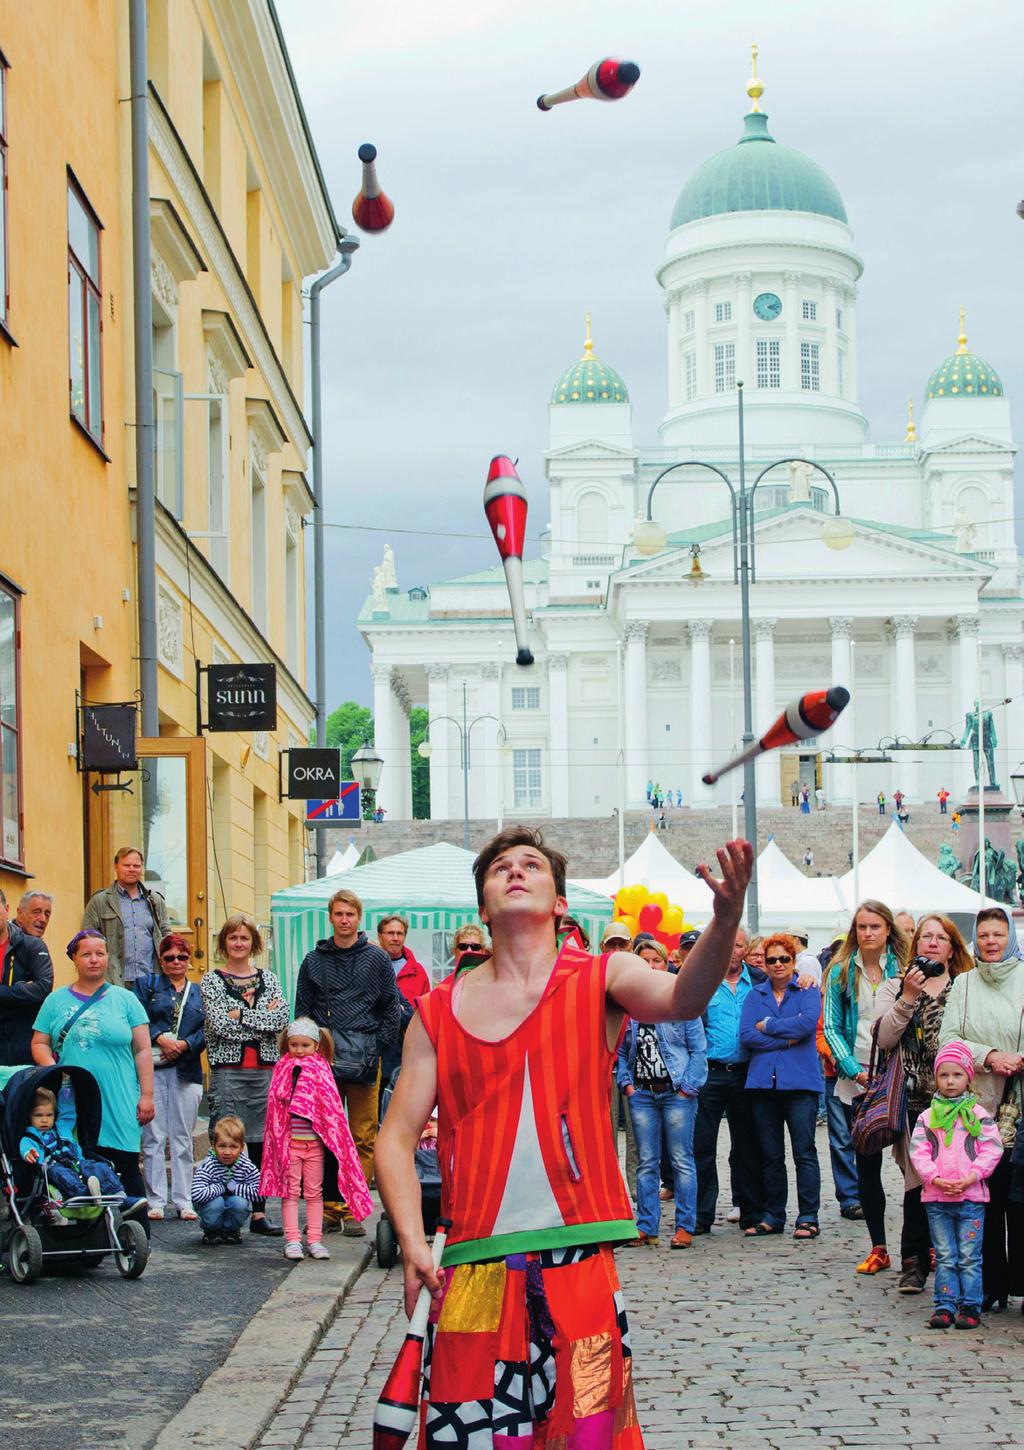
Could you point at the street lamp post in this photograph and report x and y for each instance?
(465, 729)
(649, 538)
(366, 768)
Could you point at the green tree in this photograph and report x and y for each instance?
(420, 767)
(348, 727)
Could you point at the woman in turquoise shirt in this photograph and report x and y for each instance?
(874, 950)
(103, 1028)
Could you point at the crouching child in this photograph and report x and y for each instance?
(225, 1184)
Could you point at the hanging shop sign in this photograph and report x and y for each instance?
(108, 738)
(241, 697)
(313, 772)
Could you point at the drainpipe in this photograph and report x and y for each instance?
(145, 488)
(347, 246)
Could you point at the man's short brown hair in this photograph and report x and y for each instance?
(345, 895)
(392, 916)
(123, 851)
(518, 836)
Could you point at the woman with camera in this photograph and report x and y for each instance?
(908, 1016)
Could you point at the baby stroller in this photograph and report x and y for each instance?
(34, 1233)
(428, 1171)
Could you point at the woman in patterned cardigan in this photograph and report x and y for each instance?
(908, 1014)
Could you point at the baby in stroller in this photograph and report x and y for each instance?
(69, 1174)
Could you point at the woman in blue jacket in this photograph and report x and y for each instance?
(174, 1006)
(777, 1027)
(660, 1069)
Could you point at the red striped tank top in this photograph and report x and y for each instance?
(524, 1124)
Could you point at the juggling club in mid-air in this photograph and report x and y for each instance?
(606, 80)
(808, 716)
(371, 210)
(505, 507)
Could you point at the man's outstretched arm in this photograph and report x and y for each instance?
(651, 996)
(412, 1104)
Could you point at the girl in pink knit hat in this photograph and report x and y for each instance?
(955, 1146)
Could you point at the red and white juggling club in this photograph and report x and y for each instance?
(505, 507)
(371, 210)
(606, 80)
(398, 1407)
(808, 716)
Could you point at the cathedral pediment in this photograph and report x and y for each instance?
(970, 443)
(590, 450)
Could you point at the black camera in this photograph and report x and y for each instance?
(928, 967)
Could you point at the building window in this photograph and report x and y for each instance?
(5, 298)
(723, 311)
(10, 736)
(839, 318)
(526, 781)
(85, 324)
(810, 311)
(258, 542)
(526, 697)
(690, 374)
(810, 367)
(689, 320)
(291, 603)
(769, 363)
(725, 367)
(217, 482)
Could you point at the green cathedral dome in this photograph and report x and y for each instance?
(757, 174)
(589, 380)
(964, 374)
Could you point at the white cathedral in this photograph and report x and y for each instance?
(638, 669)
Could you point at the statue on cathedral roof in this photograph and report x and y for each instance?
(380, 595)
(965, 529)
(388, 568)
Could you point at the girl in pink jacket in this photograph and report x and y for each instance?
(955, 1146)
(304, 1114)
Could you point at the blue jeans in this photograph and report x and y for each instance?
(657, 1118)
(957, 1230)
(796, 1110)
(840, 1147)
(225, 1214)
(71, 1184)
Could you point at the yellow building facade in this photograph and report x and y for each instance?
(239, 216)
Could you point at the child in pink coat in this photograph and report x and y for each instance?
(304, 1114)
(955, 1146)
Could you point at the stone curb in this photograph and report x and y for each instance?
(234, 1405)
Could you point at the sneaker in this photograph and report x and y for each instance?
(353, 1229)
(733, 1216)
(133, 1207)
(852, 1210)
(912, 1277)
(293, 1250)
(211, 1239)
(317, 1251)
(941, 1319)
(876, 1261)
(93, 1185)
(681, 1239)
(156, 1214)
(232, 1237)
(968, 1319)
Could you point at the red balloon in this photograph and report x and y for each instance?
(674, 940)
(650, 916)
(661, 936)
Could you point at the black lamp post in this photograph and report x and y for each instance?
(366, 768)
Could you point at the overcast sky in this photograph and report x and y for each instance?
(442, 343)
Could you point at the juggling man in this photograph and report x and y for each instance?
(517, 1052)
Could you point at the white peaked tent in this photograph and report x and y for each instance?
(653, 866)
(897, 873)
(342, 860)
(774, 865)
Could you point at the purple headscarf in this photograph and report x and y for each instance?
(72, 945)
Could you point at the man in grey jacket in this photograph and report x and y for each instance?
(131, 918)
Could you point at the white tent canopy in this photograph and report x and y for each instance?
(653, 866)
(896, 872)
(774, 865)
(342, 860)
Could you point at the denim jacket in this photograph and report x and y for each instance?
(684, 1051)
(156, 993)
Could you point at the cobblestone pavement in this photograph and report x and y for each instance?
(766, 1343)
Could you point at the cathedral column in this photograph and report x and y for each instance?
(700, 342)
(437, 705)
(386, 738)
(485, 743)
(402, 808)
(766, 768)
(635, 713)
(702, 796)
(745, 370)
(791, 337)
(674, 308)
(840, 788)
(850, 328)
(830, 361)
(967, 627)
(904, 703)
(558, 718)
(1011, 751)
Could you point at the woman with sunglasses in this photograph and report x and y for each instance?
(908, 1016)
(174, 1006)
(873, 951)
(777, 1027)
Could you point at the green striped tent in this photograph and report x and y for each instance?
(432, 887)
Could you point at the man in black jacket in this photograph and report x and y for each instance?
(26, 978)
(347, 985)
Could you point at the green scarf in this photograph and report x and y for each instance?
(946, 1112)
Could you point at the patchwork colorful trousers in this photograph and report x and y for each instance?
(530, 1351)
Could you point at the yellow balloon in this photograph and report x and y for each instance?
(658, 898)
(636, 897)
(632, 923)
(672, 920)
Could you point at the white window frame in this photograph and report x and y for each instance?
(769, 362)
(690, 374)
(258, 557)
(291, 602)
(725, 367)
(525, 697)
(723, 311)
(689, 320)
(810, 311)
(527, 778)
(810, 367)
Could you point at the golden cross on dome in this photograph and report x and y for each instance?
(911, 427)
(588, 346)
(962, 339)
(755, 86)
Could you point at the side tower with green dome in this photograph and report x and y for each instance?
(760, 281)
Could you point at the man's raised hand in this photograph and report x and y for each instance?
(736, 860)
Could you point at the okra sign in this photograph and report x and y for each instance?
(241, 697)
(314, 772)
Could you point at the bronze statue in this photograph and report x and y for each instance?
(1000, 875)
(972, 738)
(947, 862)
